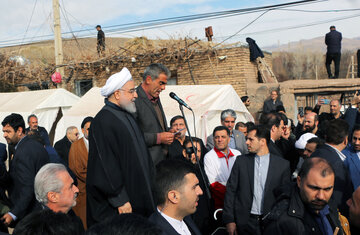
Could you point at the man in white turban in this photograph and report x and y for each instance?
(120, 169)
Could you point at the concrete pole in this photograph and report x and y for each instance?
(58, 40)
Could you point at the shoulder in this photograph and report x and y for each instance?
(78, 143)
(210, 155)
(235, 152)
(238, 134)
(278, 158)
(41, 128)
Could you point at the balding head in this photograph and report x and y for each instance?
(311, 122)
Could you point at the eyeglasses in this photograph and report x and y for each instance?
(131, 91)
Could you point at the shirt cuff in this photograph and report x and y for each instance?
(13, 216)
(158, 139)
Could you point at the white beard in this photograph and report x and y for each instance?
(130, 107)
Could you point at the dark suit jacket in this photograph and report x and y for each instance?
(4, 176)
(270, 106)
(240, 142)
(343, 186)
(43, 134)
(62, 147)
(350, 116)
(352, 163)
(150, 125)
(274, 149)
(29, 157)
(167, 229)
(240, 188)
(333, 41)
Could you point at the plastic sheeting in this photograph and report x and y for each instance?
(207, 101)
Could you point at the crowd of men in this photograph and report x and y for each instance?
(131, 173)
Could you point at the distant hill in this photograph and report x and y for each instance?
(315, 44)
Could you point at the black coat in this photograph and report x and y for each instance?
(333, 41)
(343, 187)
(255, 50)
(120, 168)
(43, 134)
(290, 216)
(167, 229)
(274, 149)
(269, 105)
(149, 124)
(240, 188)
(62, 147)
(29, 157)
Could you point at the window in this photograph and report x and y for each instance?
(82, 86)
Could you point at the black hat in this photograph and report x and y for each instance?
(98, 26)
(332, 27)
(86, 120)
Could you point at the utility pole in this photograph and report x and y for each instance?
(58, 40)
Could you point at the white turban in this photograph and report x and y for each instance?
(115, 82)
(302, 141)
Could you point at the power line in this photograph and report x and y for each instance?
(242, 28)
(27, 28)
(150, 24)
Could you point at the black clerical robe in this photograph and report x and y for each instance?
(120, 168)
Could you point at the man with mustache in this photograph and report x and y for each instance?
(150, 114)
(177, 191)
(120, 170)
(352, 161)
(306, 207)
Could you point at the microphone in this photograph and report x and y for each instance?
(180, 101)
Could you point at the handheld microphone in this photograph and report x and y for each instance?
(180, 101)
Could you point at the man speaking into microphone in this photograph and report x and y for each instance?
(150, 114)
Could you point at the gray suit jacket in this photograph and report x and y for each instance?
(239, 142)
(150, 124)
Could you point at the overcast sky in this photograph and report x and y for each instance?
(86, 14)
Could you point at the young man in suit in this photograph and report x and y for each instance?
(150, 114)
(27, 160)
(352, 161)
(250, 188)
(178, 191)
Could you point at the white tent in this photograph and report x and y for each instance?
(207, 101)
(45, 104)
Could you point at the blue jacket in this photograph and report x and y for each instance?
(352, 163)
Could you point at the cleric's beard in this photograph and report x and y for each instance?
(130, 107)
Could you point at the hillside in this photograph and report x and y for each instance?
(314, 44)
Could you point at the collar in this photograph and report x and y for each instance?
(179, 225)
(19, 142)
(152, 99)
(221, 154)
(341, 155)
(86, 142)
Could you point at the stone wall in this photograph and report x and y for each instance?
(301, 93)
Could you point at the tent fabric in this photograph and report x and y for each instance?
(45, 104)
(207, 101)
